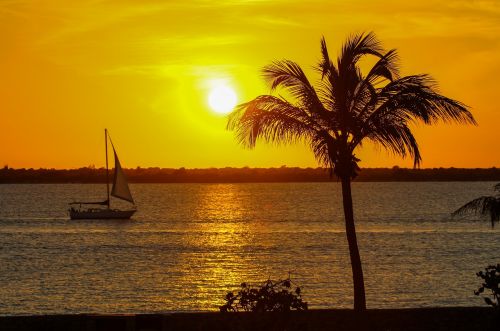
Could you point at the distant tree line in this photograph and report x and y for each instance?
(244, 175)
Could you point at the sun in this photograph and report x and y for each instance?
(222, 99)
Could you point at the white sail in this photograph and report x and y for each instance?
(120, 185)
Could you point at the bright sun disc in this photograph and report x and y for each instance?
(222, 99)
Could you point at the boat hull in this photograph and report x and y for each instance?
(100, 214)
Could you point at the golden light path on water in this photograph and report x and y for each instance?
(221, 263)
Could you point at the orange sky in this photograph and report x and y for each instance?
(143, 70)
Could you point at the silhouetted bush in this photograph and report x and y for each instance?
(271, 296)
(491, 281)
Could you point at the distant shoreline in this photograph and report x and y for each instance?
(245, 175)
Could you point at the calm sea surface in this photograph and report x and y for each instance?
(190, 243)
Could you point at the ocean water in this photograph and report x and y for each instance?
(189, 244)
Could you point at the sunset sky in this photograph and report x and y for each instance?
(144, 70)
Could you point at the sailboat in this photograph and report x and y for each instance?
(119, 190)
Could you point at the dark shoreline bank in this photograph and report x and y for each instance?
(244, 175)
(446, 318)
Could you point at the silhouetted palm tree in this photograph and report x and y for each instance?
(485, 206)
(346, 108)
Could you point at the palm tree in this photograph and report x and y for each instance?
(485, 206)
(345, 109)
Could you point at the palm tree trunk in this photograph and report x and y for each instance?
(357, 271)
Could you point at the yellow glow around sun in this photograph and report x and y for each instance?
(222, 99)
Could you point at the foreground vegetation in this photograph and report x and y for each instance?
(491, 283)
(270, 296)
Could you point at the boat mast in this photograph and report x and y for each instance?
(107, 169)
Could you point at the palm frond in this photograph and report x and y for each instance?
(355, 47)
(396, 137)
(329, 78)
(415, 98)
(340, 92)
(386, 68)
(272, 119)
(484, 206)
(326, 65)
(409, 99)
(290, 76)
(277, 121)
(325, 149)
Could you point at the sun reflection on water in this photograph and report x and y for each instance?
(225, 240)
